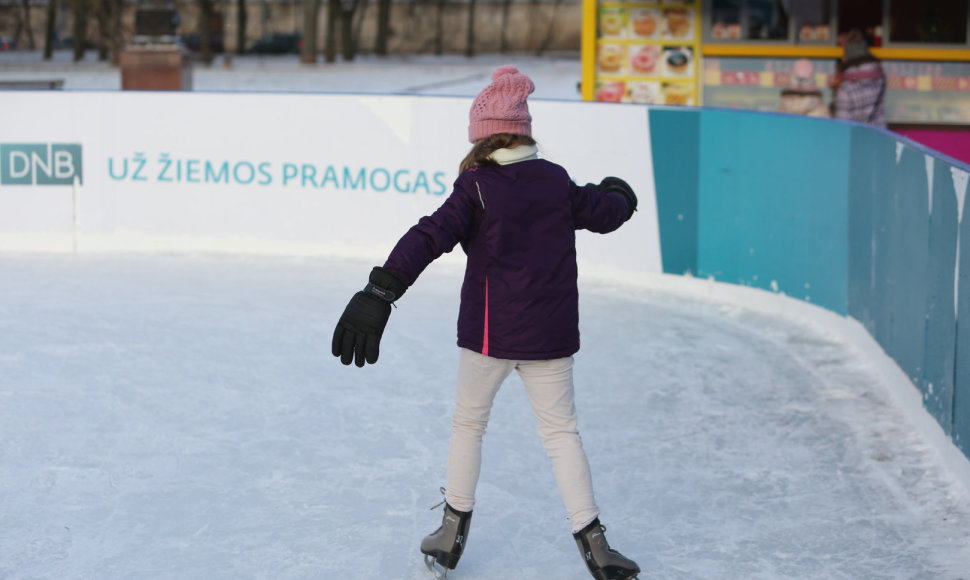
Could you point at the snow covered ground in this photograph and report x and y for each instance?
(556, 76)
(180, 416)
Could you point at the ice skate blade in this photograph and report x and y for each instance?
(439, 571)
(615, 574)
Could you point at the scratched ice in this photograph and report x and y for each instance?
(182, 417)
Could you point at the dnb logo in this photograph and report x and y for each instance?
(40, 163)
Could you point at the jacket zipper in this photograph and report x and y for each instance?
(480, 195)
(484, 338)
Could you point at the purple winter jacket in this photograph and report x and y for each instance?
(516, 223)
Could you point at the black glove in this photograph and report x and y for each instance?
(358, 334)
(619, 186)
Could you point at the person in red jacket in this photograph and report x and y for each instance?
(515, 216)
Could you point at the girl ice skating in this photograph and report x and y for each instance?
(515, 216)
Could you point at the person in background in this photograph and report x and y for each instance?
(860, 84)
(802, 97)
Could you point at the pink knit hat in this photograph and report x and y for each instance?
(501, 106)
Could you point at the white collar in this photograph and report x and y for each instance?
(515, 154)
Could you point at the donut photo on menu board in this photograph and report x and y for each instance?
(611, 59)
(644, 59)
(678, 23)
(677, 61)
(610, 91)
(612, 22)
(644, 23)
(677, 94)
(643, 92)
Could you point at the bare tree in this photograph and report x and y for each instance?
(383, 26)
(311, 10)
(205, 30)
(362, 6)
(241, 24)
(80, 28)
(117, 40)
(547, 40)
(23, 23)
(102, 15)
(470, 40)
(333, 15)
(347, 9)
(439, 27)
(50, 28)
(504, 42)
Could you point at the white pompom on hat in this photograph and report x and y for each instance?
(803, 75)
(501, 107)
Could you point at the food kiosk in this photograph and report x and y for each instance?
(740, 54)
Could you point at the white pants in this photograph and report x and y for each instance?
(549, 385)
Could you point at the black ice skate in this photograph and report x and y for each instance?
(604, 562)
(443, 548)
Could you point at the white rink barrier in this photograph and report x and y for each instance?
(279, 173)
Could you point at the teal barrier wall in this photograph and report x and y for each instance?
(773, 211)
(848, 217)
(675, 164)
(961, 387)
(903, 261)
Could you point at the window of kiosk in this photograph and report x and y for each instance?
(939, 22)
(767, 20)
(725, 20)
(885, 23)
(863, 15)
(813, 21)
(785, 21)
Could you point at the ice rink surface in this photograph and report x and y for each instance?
(182, 417)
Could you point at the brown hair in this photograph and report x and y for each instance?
(482, 150)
